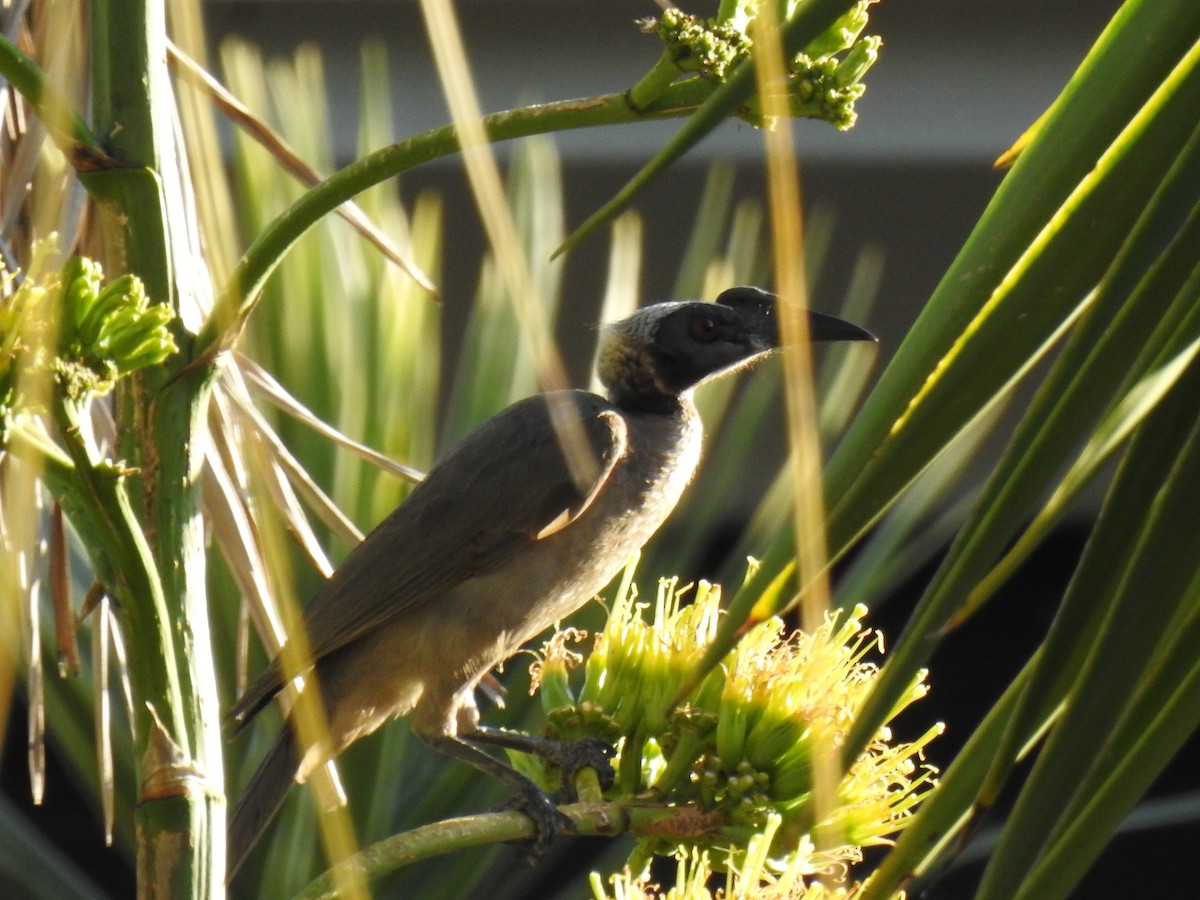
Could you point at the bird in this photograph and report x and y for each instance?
(505, 536)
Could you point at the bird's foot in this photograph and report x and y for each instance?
(548, 822)
(567, 757)
(571, 757)
(530, 799)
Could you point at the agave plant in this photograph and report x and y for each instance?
(162, 386)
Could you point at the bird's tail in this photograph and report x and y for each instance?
(261, 799)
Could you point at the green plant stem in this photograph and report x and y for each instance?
(267, 250)
(610, 819)
(629, 775)
(179, 818)
(99, 506)
(680, 763)
(652, 85)
(66, 128)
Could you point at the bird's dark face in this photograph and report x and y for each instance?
(697, 341)
(669, 348)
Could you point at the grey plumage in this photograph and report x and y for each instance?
(502, 539)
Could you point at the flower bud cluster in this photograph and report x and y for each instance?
(706, 46)
(70, 323)
(823, 81)
(108, 330)
(827, 87)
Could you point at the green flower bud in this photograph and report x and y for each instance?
(707, 46)
(855, 64)
(152, 350)
(95, 321)
(842, 33)
(81, 279)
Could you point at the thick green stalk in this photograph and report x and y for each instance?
(605, 818)
(160, 417)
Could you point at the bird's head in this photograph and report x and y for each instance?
(666, 349)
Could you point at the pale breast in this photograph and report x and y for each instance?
(563, 571)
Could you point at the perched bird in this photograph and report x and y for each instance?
(507, 535)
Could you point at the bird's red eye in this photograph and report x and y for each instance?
(704, 328)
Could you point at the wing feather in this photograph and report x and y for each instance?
(505, 486)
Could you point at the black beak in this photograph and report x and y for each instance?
(757, 304)
(830, 328)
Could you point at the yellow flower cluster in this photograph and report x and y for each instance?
(742, 750)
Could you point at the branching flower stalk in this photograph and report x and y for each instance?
(825, 82)
(824, 79)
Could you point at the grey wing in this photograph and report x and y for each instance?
(508, 484)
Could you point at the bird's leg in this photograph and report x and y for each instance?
(566, 756)
(533, 801)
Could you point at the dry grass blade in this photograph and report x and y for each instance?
(35, 695)
(484, 176)
(122, 659)
(304, 709)
(22, 553)
(791, 282)
(267, 137)
(14, 585)
(271, 454)
(281, 459)
(266, 450)
(240, 543)
(278, 396)
(104, 757)
(60, 595)
(284, 497)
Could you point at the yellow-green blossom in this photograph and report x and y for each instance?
(738, 753)
(752, 880)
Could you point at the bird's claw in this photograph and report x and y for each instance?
(568, 757)
(571, 757)
(548, 822)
